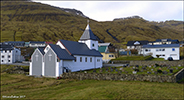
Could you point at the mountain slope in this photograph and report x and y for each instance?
(30, 21)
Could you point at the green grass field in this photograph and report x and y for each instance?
(48, 88)
(150, 58)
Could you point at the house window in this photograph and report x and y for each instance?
(111, 55)
(8, 60)
(98, 60)
(8, 56)
(86, 59)
(2, 61)
(163, 49)
(80, 59)
(2, 56)
(173, 49)
(10, 51)
(5, 51)
(156, 49)
(90, 59)
(146, 50)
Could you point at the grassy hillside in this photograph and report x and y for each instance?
(30, 21)
(47, 88)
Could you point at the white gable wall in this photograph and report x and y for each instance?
(47, 48)
(60, 44)
(164, 52)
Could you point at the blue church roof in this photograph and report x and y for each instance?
(77, 48)
(41, 49)
(62, 54)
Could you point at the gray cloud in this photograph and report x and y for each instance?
(108, 10)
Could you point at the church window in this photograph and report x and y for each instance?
(80, 59)
(90, 59)
(86, 59)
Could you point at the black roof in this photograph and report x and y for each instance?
(88, 34)
(15, 42)
(41, 42)
(131, 43)
(62, 54)
(41, 49)
(160, 40)
(5, 47)
(77, 48)
(161, 46)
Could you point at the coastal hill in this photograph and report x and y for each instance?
(31, 21)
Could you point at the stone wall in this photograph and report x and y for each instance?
(179, 75)
(122, 77)
(170, 63)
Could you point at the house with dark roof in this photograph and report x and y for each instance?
(9, 54)
(136, 45)
(15, 43)
(107, 50)
(64, 56)
(162, 51)
(163, 41)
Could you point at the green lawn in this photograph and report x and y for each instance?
(48, 88)
(149, 58)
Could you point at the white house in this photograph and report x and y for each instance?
(37, 44)
(65, 56)
(10, 54)
(164, 41)
(136, 45)
(162, 51)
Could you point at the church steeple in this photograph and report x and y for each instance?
(88, 34)
(89, 38)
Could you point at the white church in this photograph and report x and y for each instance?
(55, 59)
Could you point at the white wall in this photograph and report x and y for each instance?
(30, 68)
(37, 45)
(5, 59)
(47, 48)
(90, 43)
(15, 55)
(61, 45)
(77, 66)
(168, 52)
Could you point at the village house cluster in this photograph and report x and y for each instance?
(161, 48)
(50, 59)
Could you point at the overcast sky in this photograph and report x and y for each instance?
(108, 10)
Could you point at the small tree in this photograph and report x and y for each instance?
(134, 51)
